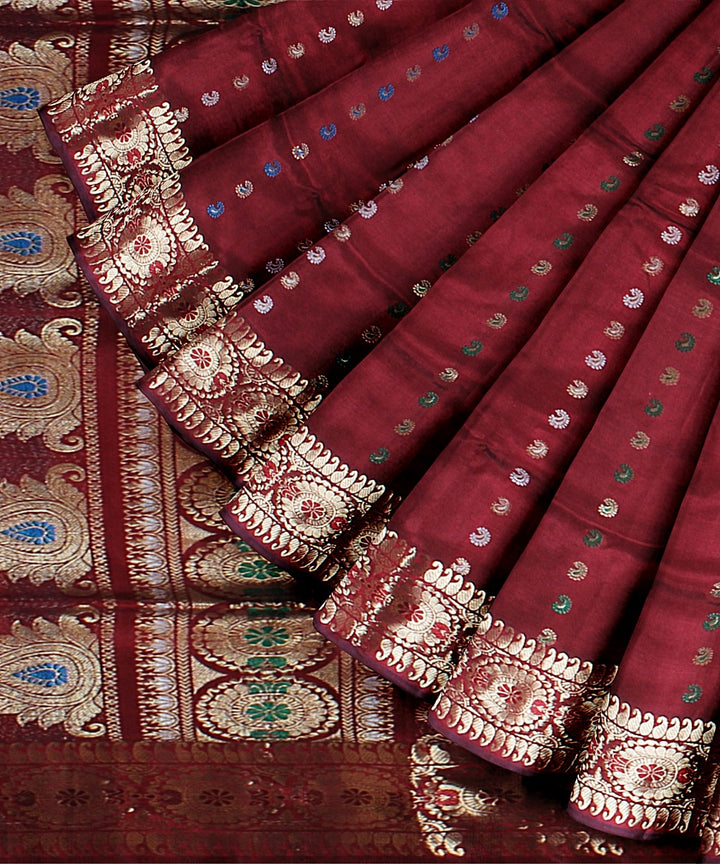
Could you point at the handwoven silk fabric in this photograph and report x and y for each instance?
(120, 134)
(195, 244)
(382, 427)
(533, 677)
(512, 452)
(645, 768)
(469, 180)
(435, 286)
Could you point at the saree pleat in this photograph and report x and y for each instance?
(645, 767)
(199, 241)
(273, 376)
(126, 131)
(405, 607)
(434, 283)
(535, 674)
(379, 429)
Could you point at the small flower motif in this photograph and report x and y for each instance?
(520, 477)
(327, 35)
(670, 376)
(275, 266)
(499, 11)
(420, 289)
(272, 168)
(357, 111)
(269, 66)
(497, 321)
(263, 304)
(210, 99)
(685, 343)
(386, 93)
(542, 268)
(481, 536)
(267, 636)
(413, 73)
(547, 636)
(654, 266)
(461, 566)
(442, 52)
(290, 280)
(608, 508)
(421, 163)
(244, 189)
(680, 104)
(300, 151)
(614, 330)
(672, 235)
(703, 308)
(258, 569)
(559, 419)
(181, 114)
(640, 441)
(240, 82)
(383, 5)
(562, 605)
(587, 212)
(268, 712)
(328, 132)
(355, 797)
(633, 159)
(596, 360)
(342, 233)
(634, 299)
(404, 427)
(577, 571)
(709, 175)
(371, 335)
(215, 210)
(537, 449)
(624, 473)
(355, 19)
(449, 374)
(689, 207)
(316, 255)
(296, 51)
(501, 506)
(471, 31)
(577, 389)
(367, 211)
(73, 797)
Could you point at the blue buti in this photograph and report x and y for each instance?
(328, 132)
(43, 674)
(20, 98)
(36, 532)
(22, 243)
(387, 92)
(272, 169)
(26, 386)
(441, 53)
(499, 10)
(215, 210)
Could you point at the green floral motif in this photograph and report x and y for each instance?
(429, 399)
(268, 712)
(397, 310)
(562, 605)
(266, 635)
(382, 454)
(654, 408)
(258, 569)
(612, 184)
(685, 343)
(693, 693)
(447, 262)
(714, 276)
(593, 538)
(624, 473)
(473, 349)
(519, 294)
(704, 76)
(564, 241)
(655, 132)
(712, 622)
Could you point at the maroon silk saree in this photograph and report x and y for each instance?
(435, 286)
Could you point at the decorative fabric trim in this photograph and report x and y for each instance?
(642, 771)
(229, 393)
(144, 256)
(308, 508)
(408, 612)
(710, 843)
(121, 135)
(521, 700)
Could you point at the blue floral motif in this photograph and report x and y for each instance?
(441, 53)
(272, 169)
(35, 532)
(387, 92)
(44, 675)
(20, 98)
(215, 210)
(499, 11)
(327, 133)
(27, 386)
(21, 243)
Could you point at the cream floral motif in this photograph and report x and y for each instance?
(44, 74)
(34, 254)
(202, 493)
(50, 674)
(254, 400)
(40, 385)
(408, 612)
(122, 135)
(306, 505)
(44, 530)
(227, 568)
(277, 709)
(523, 700)
(48, 8)
(644, 771)
(149, 259)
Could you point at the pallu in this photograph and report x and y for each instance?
(434, 286)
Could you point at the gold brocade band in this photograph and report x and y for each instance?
(229, 396)
(153, 271)
(401, 612)
(520, 703)
(643, 772)
(307, 510)
(117, 136)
